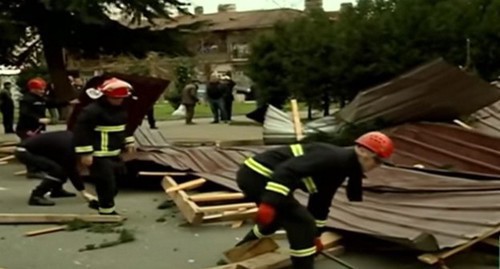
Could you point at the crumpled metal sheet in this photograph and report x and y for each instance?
(425, 211)
(487, 120)
(436, 91)
(447, 147)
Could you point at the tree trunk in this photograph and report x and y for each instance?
(326, 104)
(54, 57)
(309, 112)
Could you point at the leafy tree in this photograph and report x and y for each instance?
(184, 73)
(296, 59)
(83, 26)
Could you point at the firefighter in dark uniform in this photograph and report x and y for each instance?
(100, 137)
(270, 178)
(53, 153)
(32, 119)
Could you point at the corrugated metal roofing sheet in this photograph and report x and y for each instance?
(487, 120)
(447, 147)
(426, 211)
(436, 91)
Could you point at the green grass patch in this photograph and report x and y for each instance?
(163, 111)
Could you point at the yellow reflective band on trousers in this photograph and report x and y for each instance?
(129, 139)
(320, 223)
(303, 252)
(110, 129)
(276, 187)
(257, 232)
(297, 150)
(84, 149)
(112, 153)
(107, 210)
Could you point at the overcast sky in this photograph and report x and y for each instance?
(210, 6)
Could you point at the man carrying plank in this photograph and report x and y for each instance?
(270, 178)
(52, 153)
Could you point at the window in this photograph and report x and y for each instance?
(240, 51)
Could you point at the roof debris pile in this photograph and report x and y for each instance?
(430, 198)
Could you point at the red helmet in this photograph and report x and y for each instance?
(37, 84)
(115, 88)
(378, 143)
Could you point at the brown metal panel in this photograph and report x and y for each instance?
(423, 210)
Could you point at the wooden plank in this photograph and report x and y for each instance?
(20, 173)
(187, 185)
(7, 158)
(248, 214)
(434, 258)
(297, 124)
(46, 231)
(56, 218)
(181, 200)
(3, 163)
(250, 250)
(217, 208)
(237, 224)
(162, 174)
(216, 197)
(8, 150)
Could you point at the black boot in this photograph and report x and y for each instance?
(59, 192)
(94, 204)
(303, 262)
(37, 196)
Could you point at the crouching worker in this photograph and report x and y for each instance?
(100, 137)
(270, 179)
(53, 154)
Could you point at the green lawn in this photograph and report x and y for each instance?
(163, 111)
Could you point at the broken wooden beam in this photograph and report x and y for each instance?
(7, 158)
(187, 185)
(56, 218)
(221, 217)
(46, 230)
(20, 173)
(225, 207)
(250, 249)
(162, 174)
(181, 200)
(207, 197)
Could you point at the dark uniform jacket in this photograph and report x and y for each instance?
(58, 147)
(31, 109)
(317, 168)
(100, 130)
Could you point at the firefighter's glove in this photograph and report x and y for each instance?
(130, 148)
(319, 245)
(265, 214)
(86, 160)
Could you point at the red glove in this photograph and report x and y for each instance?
(265, 214)
(319, 245)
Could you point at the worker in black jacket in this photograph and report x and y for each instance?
(100, 136)
(54, 154)
(32, 119)
(270, 179)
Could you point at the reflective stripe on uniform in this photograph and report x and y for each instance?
(258, 233)
(129, 139)
(111, 153)
(303, 252)
(21, 149)
(297, 150)
(84, 149)
(107, 210)
(276, 187)
(110, 129)
(320, 223)
(259, 168)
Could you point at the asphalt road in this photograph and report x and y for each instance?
(163, 245)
